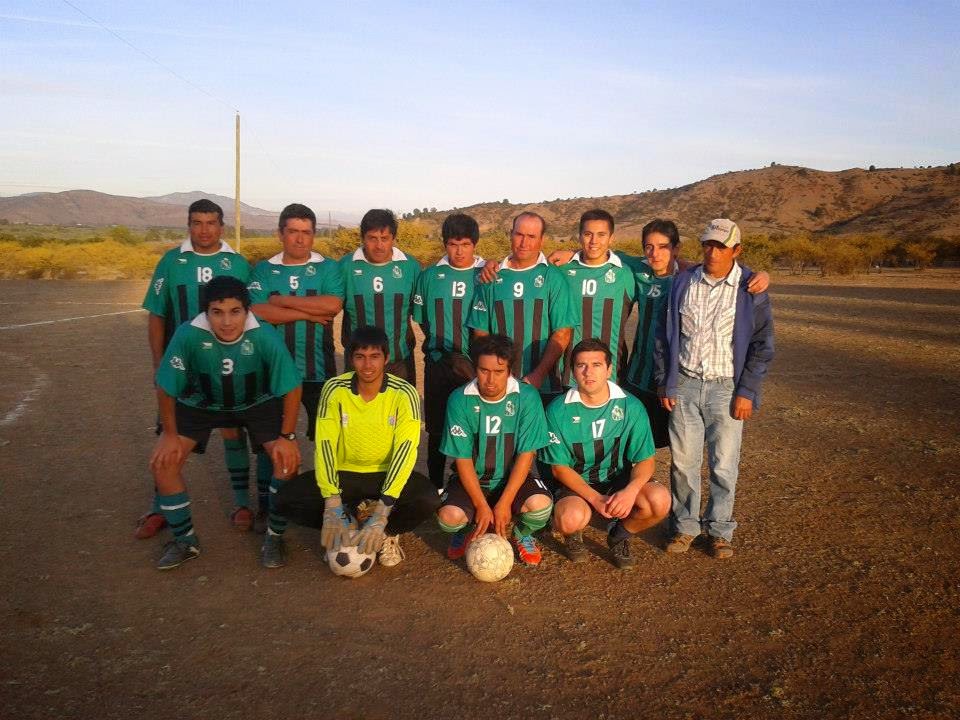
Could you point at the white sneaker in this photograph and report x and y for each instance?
(391, 553)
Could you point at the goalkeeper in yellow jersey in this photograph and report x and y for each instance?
(368, 431)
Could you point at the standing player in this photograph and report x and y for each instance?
(368, 430)
(529, 302)
(378, 280)
(602, 454)
(222, 370)
(494, 427)
(174, 298)
(299, 292)
(441, 303)
(604, 286)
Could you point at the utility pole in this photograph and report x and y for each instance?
(236, 191)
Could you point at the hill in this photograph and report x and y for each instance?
(185, 198)
(898, 203)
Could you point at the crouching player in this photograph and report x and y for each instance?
(601, 451)
(223, 370)
(494, 427)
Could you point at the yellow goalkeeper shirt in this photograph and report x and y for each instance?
(377, 436)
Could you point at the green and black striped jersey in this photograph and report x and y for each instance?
(441, 304)
(492, 434)
(598, 443)
(199, 370)
(605, 293)
(310, 343)
(527, 306)
(174, 292)
(651, 295)
(380, 295)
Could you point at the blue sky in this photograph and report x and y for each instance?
(353, 105)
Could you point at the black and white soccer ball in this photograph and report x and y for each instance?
(489, 558)
(349, 562)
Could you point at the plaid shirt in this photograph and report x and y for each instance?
(707, 313)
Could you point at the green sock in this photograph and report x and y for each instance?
(276, 523)
(176, 510)
(238, 465)
(264, 476)
(451, 528)
(529, 522)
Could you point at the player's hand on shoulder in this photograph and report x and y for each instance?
(489, 272)
(759, 282)
(560, 257)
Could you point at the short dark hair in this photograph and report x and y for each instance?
(368, 336)
(664, 227)
(591, 345)
(224, 287)
(460, 225)
(377, 220)
(596, 214)
(205, 206)
(530, 214)
(296, 211)
(499, 345)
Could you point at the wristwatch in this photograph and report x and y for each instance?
(288, 436)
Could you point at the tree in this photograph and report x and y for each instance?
(876, 248)
(800, 251)
(841, 257)
(920, 253)
(152, 235)
(123, 234)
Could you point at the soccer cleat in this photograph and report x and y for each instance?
(260, 522)
(720, 548)
(149, 525)
(679, 543)
(621, 553)
(527, 549)
(242, 519)
(273, 554)
(176, 554)
(458, 545)
(390, 552)
(576, 550)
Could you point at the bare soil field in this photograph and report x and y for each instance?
(842, 601)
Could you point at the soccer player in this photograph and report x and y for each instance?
(604, 286)
(494, 427)
(299, 292)
(378, 280)
(441, 304)
(529, 302)
(222, 370)
(368, 430)
(602, 455)
(713, 348)
(174, 298)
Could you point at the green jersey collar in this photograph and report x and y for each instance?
(200, 321)
(573, 395)
(477, 262)
(314, 258)
(187, 246)
(612, 259)
(513, 386)
(398, 254)
(542, 260)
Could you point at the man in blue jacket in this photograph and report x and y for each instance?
(711, 355)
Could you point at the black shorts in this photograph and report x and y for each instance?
(456, 495)
(310, 399)
(440, 378)
(659, 418)
(618, 483)
(262, 421)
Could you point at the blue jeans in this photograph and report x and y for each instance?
(702, 414)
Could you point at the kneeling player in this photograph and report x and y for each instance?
(223, 370)
(494, 427)
(602, 453)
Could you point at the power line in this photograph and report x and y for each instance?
(150, 57)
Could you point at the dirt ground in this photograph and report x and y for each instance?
(841, 601)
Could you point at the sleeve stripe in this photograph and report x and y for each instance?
(411, 394)
(398, 460)
(329, 465)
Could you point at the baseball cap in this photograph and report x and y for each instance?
(722, 231)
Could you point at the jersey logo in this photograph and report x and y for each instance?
(417, 300)
(392, 420)
(246, 347)
(344, 419)
(358, 271)
(255, 286)
(616, 413)
(176, 363)
(276, 272)
(509, 409)
(554, 440)
(575, 419)
(225, 264)
(571, 272)
(311, 270)
(480, 307)
(457, 431)
(476, 408)
(182, 261)
(204, 345)
(157, 286)
(610, 276)
(397, 272)
(441, 276)
(538, 281)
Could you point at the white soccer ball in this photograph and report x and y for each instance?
(349, 562)
(489, 558)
